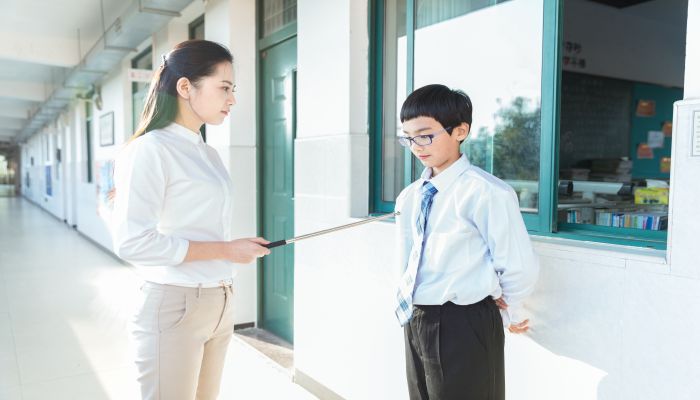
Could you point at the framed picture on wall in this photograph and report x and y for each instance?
(107, 129)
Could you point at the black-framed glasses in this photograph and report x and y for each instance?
(421, 140)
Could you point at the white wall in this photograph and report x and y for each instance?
(232, 23)
(344, 335)
(91, 222)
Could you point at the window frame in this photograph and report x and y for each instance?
(192, 26)
(88, 141)
(544, 222)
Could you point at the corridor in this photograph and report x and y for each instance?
(64, 310)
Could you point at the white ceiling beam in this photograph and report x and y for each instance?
(9, 133)
(12, 111)
(27, 91)
(54, 51)
(12, 123)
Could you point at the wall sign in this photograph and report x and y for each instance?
(696, 134)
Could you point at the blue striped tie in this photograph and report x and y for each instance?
(404, 310)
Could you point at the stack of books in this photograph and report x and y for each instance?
(580, 215)
(651, 221)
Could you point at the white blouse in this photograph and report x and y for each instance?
(171, 188)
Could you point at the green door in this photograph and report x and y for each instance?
(278, 64)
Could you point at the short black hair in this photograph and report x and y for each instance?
(447, 106)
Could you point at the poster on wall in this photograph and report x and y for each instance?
(655, 139)
(644, 152)
(646, 108)
(49, 191)
(104, 184)
(667, 128)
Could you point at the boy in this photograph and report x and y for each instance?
(463, 244)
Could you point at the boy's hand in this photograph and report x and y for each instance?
(520, 327)
(501, 303)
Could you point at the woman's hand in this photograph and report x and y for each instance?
(245, 251)
(240, 251)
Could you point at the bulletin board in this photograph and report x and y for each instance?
(652, 111)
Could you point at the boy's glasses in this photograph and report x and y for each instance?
(421, 140)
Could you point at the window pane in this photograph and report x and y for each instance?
(616, 117)
(139, 90)
(197, 29)
(277, 14)
(394, 89)
(492, 50)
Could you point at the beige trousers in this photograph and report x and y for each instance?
(181, 335)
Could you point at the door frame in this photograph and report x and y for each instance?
(262, 44)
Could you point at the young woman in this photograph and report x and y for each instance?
(172, 219)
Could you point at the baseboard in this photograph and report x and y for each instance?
(314, 387)
(244, 325)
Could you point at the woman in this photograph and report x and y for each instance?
(172, 216)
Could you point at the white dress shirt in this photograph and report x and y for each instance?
(171, 188)
(476, 243)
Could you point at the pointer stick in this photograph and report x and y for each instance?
(323, 232)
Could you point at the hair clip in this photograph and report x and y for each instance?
(164, 60)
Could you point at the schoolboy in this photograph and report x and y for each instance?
(465, 255)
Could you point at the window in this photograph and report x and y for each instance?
(615, 120)
(196, 28)
(139, 90)
(561, 110)
(196, 31)
(497, 61)
(278, 14)
(88, 142)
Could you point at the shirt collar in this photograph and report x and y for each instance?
(184, 133)
(446, 177)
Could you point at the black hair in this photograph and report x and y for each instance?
(447, 106)
(191, 59)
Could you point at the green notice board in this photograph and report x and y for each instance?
(645, 120)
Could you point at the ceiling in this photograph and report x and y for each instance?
(672, 12)
(38, 45)
(620, 3)
(50, 51)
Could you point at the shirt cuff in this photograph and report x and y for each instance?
(516, 314)
(505, 317)
(181, 251)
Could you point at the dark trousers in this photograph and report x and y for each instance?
(455, 352)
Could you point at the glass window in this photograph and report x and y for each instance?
(564, 84)
(197, 32)
(277, 14)
(139, 90)
(88, 142)
(490, 49)
(615, 120)
(498, 63)
(394, 87)
(197, 28)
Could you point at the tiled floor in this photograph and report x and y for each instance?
(64, 304)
